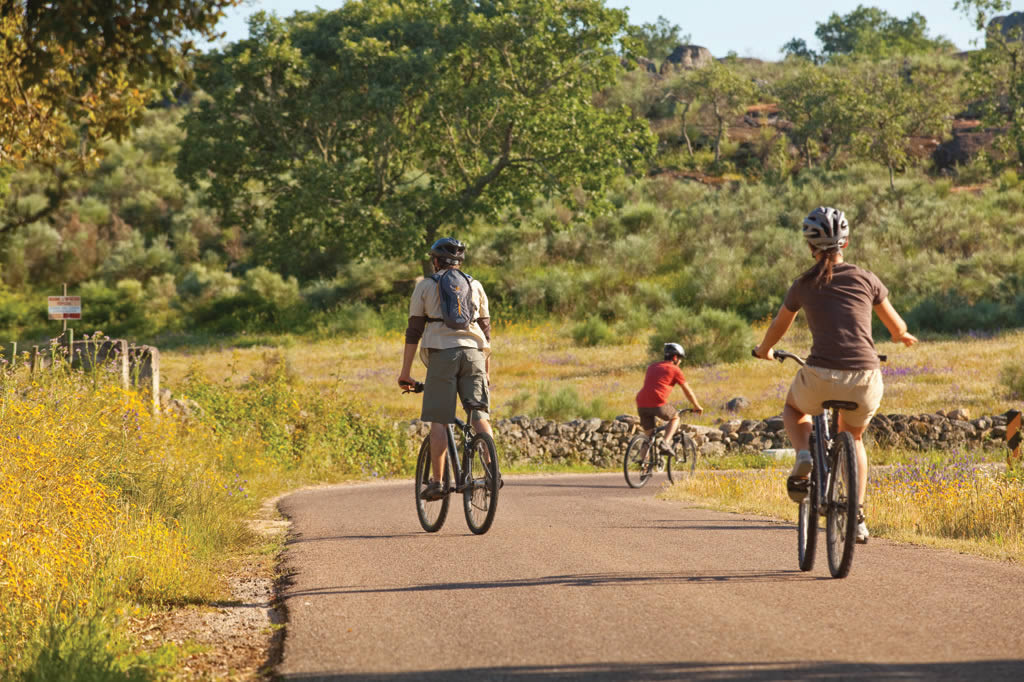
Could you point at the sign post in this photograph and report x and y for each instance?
(64, 307)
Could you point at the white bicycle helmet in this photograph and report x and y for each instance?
(673, 349)
(826, 228)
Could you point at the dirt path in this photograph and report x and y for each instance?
(583, 578)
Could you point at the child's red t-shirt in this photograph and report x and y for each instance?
(658, 383)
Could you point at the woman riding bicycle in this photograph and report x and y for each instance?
(838, 298)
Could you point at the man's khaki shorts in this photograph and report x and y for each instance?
(812, 386)
(452, 372)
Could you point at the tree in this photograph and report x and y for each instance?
(726, 93)
(797, 47)
(367, 129)
(995, 76)
(870, 32)
(867, 108)
(899, 104)
(71, 77)
(657, 40)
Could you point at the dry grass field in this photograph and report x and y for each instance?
(531, 359)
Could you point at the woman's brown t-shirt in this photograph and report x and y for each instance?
(839, 316)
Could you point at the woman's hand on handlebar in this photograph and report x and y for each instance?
(763, 355)
(406, 382)
(907, 339)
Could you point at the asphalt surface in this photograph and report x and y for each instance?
(582, 578)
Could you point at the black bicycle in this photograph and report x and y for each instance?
(477, 477)
(644, 456)
(831, 488)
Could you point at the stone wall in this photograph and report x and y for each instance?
(603, 442)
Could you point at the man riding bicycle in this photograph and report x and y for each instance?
(457, 359)
(838, 298)
(652, 400)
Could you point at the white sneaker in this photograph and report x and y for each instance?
(802, 465)
(862, 533)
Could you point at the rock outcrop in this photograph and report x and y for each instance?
(686, 57)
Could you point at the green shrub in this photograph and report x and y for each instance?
(566, 404)
(1012, 376)
(592, 332)
(708, 336)
(349, 319)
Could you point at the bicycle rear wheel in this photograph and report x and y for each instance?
(685, 456)
(483, 479)
(807, 525)
(431, 513)
(638, 461)
(841, 515)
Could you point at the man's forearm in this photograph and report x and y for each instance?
(408, 355)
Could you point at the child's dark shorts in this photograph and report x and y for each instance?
(648, 415)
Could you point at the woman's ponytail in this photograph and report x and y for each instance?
(821, 274)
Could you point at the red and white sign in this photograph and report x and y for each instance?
(64, 307)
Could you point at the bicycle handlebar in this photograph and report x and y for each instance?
(415, 387)
(782, 356)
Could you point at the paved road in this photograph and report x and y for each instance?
(582, 578)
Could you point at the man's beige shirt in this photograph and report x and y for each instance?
(426, 301)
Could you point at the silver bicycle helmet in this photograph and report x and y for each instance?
(448, 250)
(826, 228)
(674, 349)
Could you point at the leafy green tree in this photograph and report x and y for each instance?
(869, 109)
(658, 39)
(995, 77)
(899, 104)
(797, 47)
(368, 129)
(73, 74)
(871, 32)
(726, 93)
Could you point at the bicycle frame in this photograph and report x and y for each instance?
(822, 428)
(459, 460)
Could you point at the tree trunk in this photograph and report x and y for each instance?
(892, 178)
(718, 137)
(686, 135)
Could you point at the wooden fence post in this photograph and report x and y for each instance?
(1013, 439)
(33, 360)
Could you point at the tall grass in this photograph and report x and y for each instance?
(108, 511)
(943, 500)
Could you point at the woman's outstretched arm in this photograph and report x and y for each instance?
(776, 330)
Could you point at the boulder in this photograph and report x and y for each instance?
(731, 426)
(967, 141)
(711, 448)
(686, 57)
(1011, 25)
(736, 404)
(959, 414)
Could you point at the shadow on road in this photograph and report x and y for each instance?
(659, 672)
(319, 538)
(521, 483)
(577, 580)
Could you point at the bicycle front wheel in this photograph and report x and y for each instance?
(685, 458)
(483, 480)
(638, 462)
(432, 513)
(841, 515)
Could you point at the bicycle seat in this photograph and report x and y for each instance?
(839, 405)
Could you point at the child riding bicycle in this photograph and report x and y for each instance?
(652, 400)
(838, 298)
